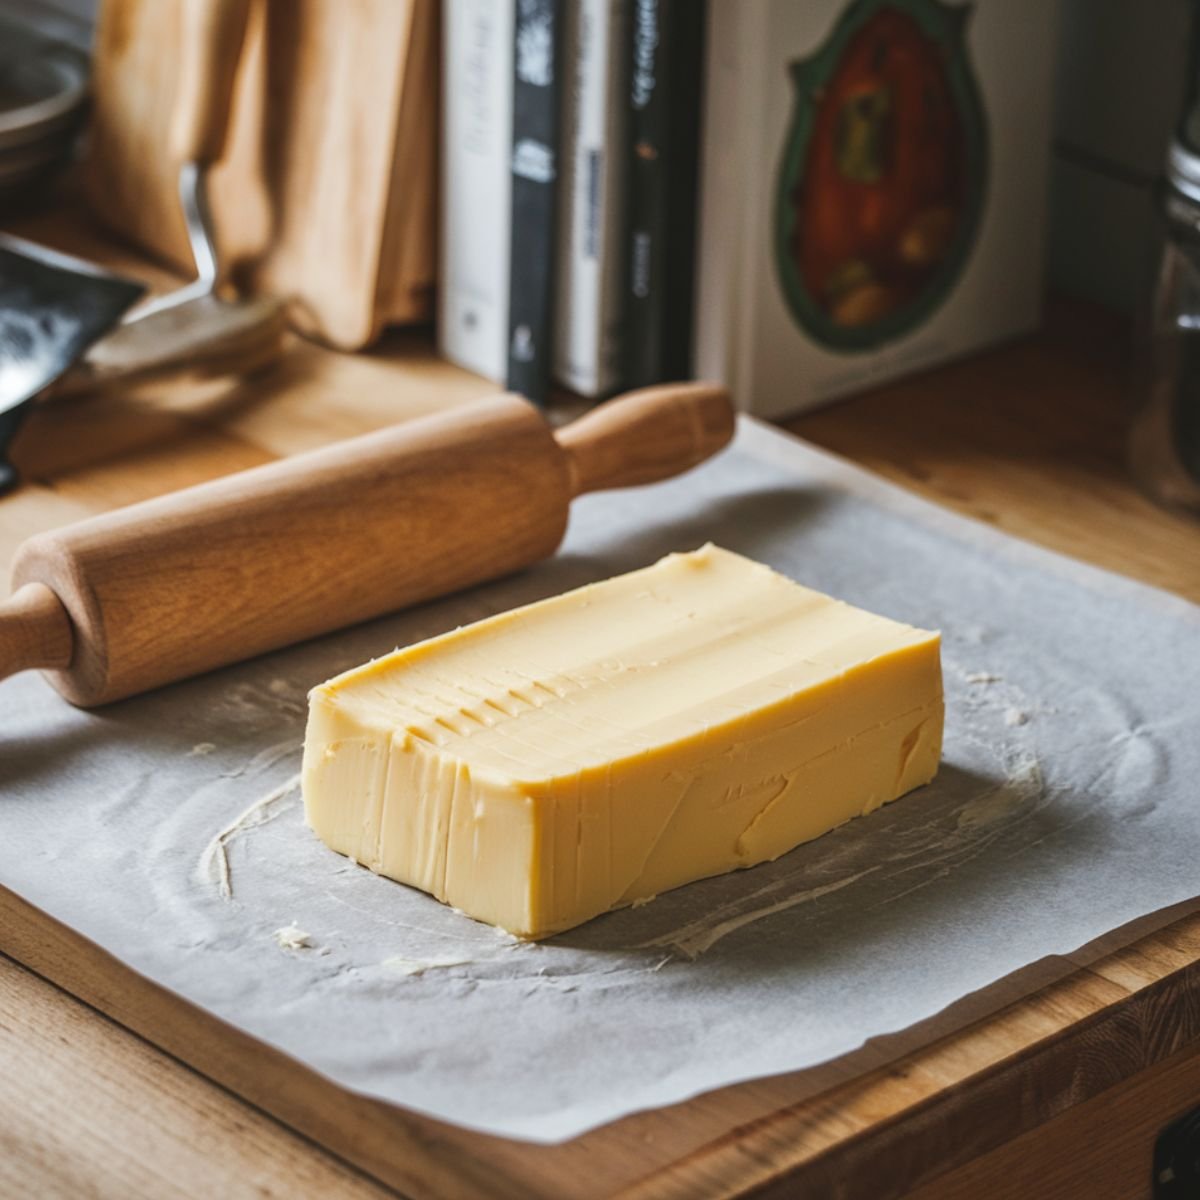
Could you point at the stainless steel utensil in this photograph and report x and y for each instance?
(215, 32)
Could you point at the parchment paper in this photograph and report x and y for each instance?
(1065, 807)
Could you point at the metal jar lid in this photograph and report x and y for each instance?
(1183, 169)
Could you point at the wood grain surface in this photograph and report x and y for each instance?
(1098, 1150)
(327, 196)
(89, 1109)
(1027, 437)
(1030, 438)
(214, 32)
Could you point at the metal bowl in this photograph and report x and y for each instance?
(42, 94)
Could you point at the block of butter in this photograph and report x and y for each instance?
(592, 750)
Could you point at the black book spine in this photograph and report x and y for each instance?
(665, 96)
(537, 71)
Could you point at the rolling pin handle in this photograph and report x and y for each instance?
(35, 631)
(647, 435)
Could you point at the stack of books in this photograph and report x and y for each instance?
(571, 135)
(853, 189)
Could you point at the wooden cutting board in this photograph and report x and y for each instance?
(1058, 1094)
(1077, 1077)
(328, 192)
(863, 1126)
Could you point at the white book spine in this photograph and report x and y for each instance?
(476, 210)
(587, 338)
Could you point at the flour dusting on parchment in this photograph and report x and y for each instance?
(213, 867)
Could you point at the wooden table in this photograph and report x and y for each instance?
(1059, 1094)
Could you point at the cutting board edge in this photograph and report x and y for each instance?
(426, 1158)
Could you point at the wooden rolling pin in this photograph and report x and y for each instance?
(174, 586)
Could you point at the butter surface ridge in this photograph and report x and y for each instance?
(595, 749)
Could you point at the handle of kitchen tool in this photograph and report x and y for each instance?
(189, 339)
(238, 566)
(647, 435)
(35, 631)
(213, 34)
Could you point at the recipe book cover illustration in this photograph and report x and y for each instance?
(873, 190)
(883, 172)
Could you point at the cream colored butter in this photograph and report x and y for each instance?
(595, 749)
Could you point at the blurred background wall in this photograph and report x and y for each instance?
(1121, 78)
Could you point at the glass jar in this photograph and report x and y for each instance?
(1165, 437)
